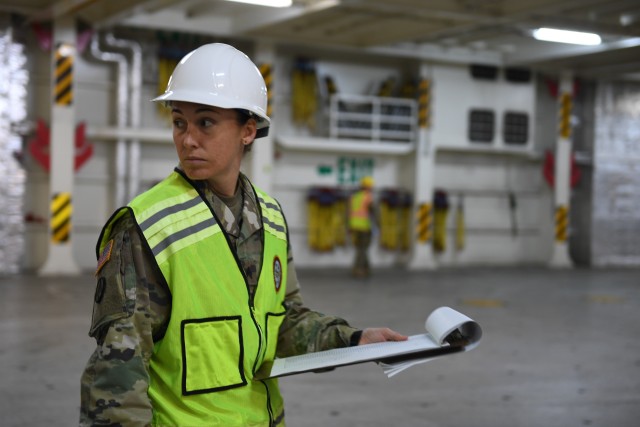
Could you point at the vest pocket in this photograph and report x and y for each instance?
(212, 355)
(273, 321)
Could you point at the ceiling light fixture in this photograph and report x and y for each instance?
(564, 36)
(270, 3)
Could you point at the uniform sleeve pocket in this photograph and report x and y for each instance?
(111, 300)
(212, 355)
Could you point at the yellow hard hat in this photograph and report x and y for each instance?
(367, 182)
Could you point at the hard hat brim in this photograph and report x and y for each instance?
(204, 98)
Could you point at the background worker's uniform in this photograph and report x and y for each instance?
(133, 319)
(360, 212)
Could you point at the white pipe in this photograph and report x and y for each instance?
(142, 134)
(121, 115)
(134, 108)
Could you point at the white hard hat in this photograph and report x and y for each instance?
(220, 75)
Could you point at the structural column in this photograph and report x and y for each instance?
(425, 163)
(261, 168)
(562, 187)
(60, 260)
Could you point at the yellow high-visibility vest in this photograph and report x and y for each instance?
(218, 336)
(360, 204)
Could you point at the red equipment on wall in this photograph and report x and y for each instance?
(39, 146)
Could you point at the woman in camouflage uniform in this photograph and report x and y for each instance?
(196, 286)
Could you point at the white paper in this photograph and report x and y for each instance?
(440, 323)
(391, 369)
(444, 320)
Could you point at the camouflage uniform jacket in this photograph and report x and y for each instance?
(133, 304)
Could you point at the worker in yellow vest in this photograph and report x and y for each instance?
(196, 286)
(361, 216)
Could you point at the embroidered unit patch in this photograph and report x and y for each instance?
(104, 256)
(277, 273)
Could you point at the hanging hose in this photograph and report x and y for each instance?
(304, 94)
(325, 216)
(312, 218)
(395, 219)
(404, 229)
(325, 219)
(389, 219)
(387, 87)
(513, 205)
(460, 232)
(441, 209)
(165, 69)
(340, 217)
(387, 226)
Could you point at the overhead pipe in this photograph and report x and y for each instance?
(121, 115)
(135, 82)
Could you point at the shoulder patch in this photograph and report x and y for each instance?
(105, 256)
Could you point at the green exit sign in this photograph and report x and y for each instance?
(325, 170)
(352, 169)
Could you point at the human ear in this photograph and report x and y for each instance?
(249, 131)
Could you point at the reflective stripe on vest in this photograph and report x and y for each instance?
(175, 223)
(272, 218)
(202, 370)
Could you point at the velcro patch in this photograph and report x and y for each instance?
(105, 256)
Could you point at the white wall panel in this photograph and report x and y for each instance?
(484, 179)
(455, 92)
(485, 183)
(496, 250)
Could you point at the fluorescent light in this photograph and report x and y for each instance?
(564, 36)
(270, 3)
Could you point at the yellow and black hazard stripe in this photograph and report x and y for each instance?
(425, 220)
(61, 210)
(267, 75)
(64, 75)
(562, 223)
(424, 101)
(564, 119)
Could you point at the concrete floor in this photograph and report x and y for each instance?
(560, 348)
